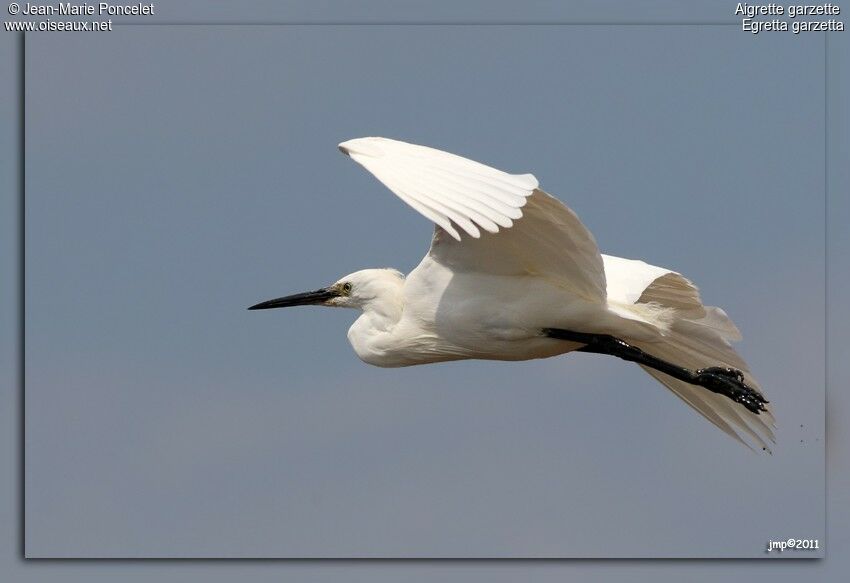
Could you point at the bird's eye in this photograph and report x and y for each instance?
(346, 287)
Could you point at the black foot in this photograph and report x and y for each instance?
(730, 382)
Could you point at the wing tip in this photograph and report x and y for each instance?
(534, 184)
(362, 146)
(453, 232)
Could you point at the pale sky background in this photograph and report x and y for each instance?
(164, 420)
(176, 176)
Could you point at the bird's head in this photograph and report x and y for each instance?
(356, 290)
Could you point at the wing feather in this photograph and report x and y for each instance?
(468, 193)
(699, 336)
(525, 230)
(495, 211)
(443, 205)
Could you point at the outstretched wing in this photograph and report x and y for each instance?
(525, 230)
(700, 336)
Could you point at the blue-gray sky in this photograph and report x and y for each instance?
(175, 176)
(239, 415)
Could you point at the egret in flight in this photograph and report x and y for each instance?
(513, 274)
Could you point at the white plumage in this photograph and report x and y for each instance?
(508, 262)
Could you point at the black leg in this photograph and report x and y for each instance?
(720, 380)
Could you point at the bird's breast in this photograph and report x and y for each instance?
(403, 345)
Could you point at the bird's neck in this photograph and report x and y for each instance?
(372, 334)
(382, 313)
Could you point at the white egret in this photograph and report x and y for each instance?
(513, 274)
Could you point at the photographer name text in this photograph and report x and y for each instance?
(86, 9)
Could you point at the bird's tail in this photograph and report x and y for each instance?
(701, 342)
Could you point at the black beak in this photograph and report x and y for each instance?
(312, 298)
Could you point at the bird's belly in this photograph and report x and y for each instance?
(507, 317)
(521, 349)
(477, 329)
(441, 350)
(412, 343)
